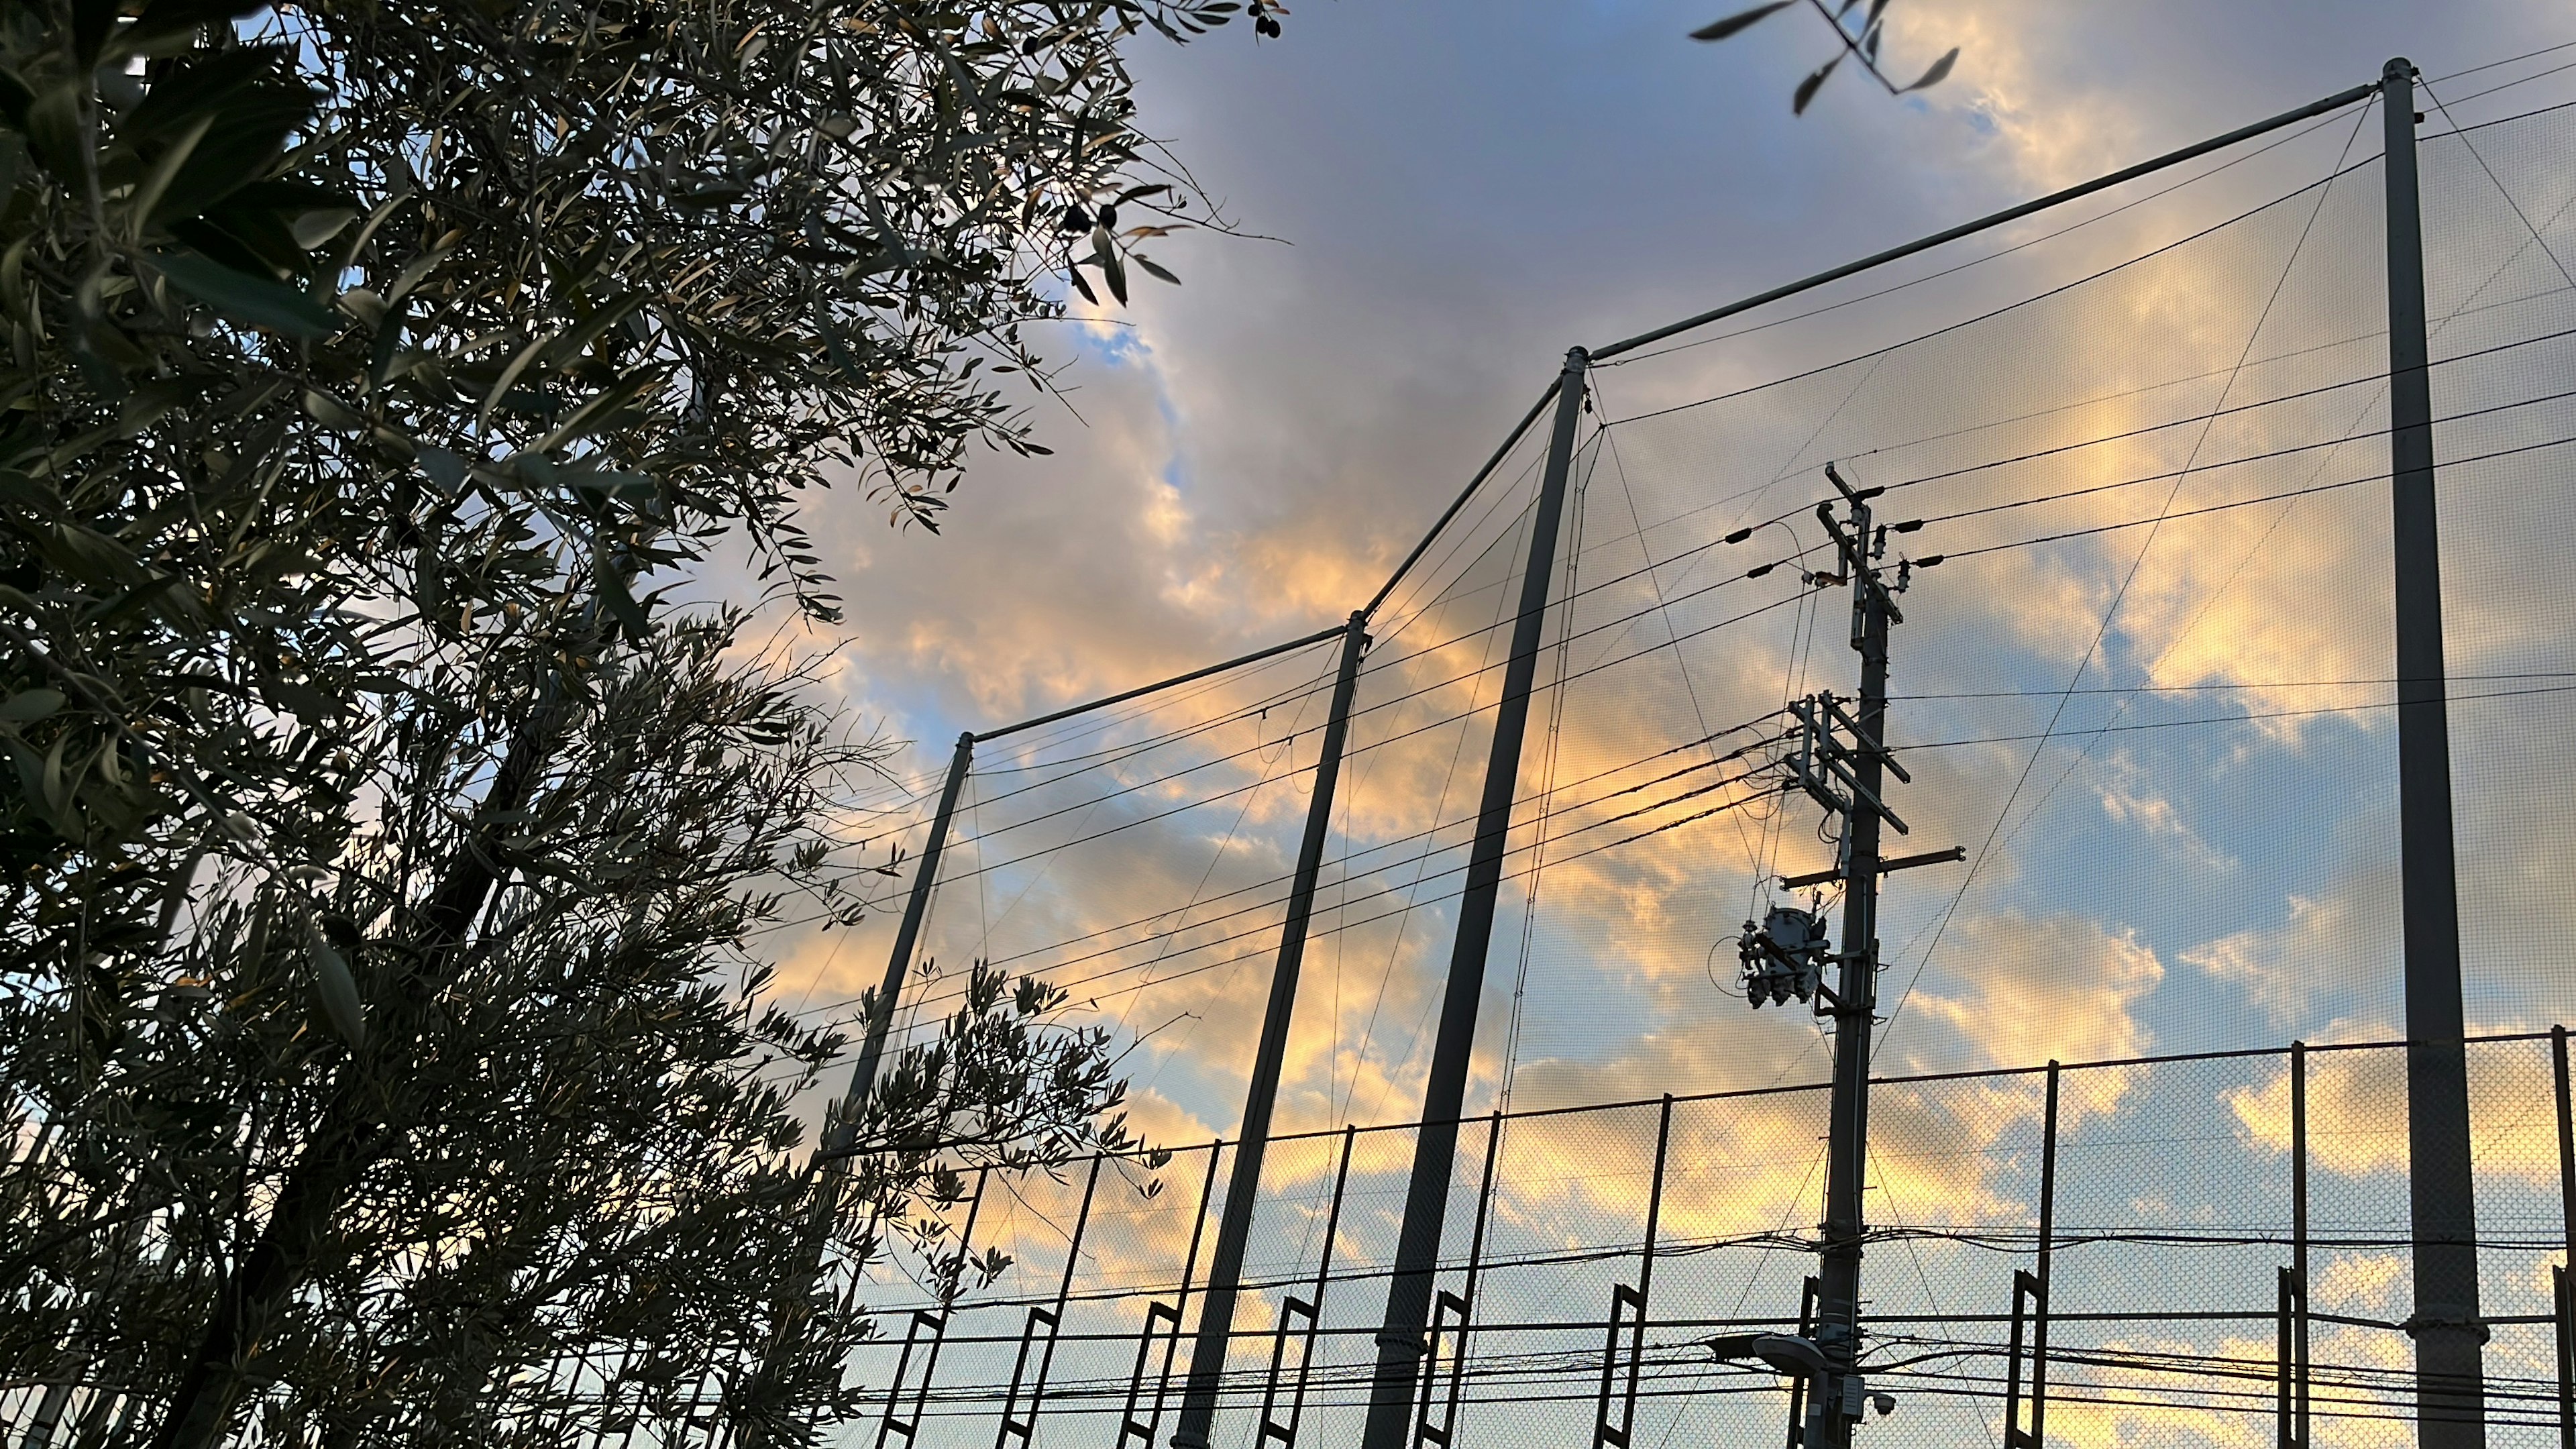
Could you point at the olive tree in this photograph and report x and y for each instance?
(390, 865)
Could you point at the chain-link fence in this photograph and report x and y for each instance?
(2167, 1250)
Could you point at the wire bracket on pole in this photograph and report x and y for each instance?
(1162, 1325)
(2291, 1361)
(2029, 1314)
(1450, 1313)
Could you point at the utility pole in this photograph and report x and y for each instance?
(1833, 1410)
(1400, 1337)
(1841, 760)
(2450, 1377)
(1234, 1232)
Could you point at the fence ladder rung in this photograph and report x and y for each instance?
(1129, 1426)
(1022, 1429)
(1450, 1310)
(922, 1318)
(1290, 1311)
(1627, 1314)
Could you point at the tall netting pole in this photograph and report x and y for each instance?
(2450, 1390)
(841, 1125)
(924, 876)
(1225, 1269)
(1426, 1197)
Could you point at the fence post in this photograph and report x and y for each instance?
(2047, 1259)
(1798, 1385)
(1400, 1342)
(2563, 1307)
(2299, 1230)
(2450, 1392)
(1463, 1303)
(1050, 1319)
(1243, 1187)
(937, 1323)
(1271, 1428)
(1604, 1432)
(1129, 1426)
(2289, 1393)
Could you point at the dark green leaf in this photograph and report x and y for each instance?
(28, 706)
(620, 600)
(1721, 29)
(444, 468)
(1939, 72)
(240, 297)
(334, 987)
(1807, 88)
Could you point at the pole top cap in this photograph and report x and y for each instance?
(2398, 68)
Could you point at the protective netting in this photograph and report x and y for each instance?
(2143, 679)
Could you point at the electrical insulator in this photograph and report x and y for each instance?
(1783, 957)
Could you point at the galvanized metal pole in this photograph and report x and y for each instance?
(1426, 1199)
(1234, 1230)
(916, 908)
(2450, 1393)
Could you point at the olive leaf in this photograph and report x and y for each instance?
(240, 297)
(1939, 72)
(334, 987)
(1721, 29)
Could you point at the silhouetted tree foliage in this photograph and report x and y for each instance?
(1860, 28)
(388, 866)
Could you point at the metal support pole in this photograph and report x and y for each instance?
(841, 1121)
(2299, 1230)
(1234, 1231)
(2449, 1377)
(2560, 1307)
(2038, 1434)
(916, 908)
(1835, 1407)
(1426, 1199)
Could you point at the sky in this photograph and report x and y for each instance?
(1438, 197)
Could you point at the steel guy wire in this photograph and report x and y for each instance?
(2508, 60)
(2505, 86)
(2098, 440)
(2014, 306)
(1424, 834)
(1455, 870)
(2054, 450)
(2097, 400)
(2309, 129)
(2498, 182)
